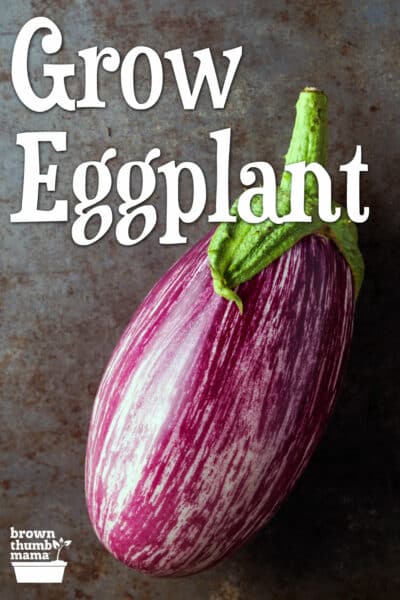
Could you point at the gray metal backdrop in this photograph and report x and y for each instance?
(64, 307)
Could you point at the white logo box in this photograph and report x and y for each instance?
(39, 572)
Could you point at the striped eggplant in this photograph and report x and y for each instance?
(206, 415)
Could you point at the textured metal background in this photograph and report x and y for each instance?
(64, 307)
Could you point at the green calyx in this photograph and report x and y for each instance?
(238, 251)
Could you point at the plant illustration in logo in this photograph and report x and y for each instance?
(59, 545)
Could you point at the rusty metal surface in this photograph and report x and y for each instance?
(63, 307)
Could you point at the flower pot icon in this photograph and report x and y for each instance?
(49, 571)
(39, 572)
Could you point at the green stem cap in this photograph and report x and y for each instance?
(238, 251)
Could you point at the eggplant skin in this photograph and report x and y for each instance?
(205, 418)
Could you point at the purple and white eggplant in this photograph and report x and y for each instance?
(206, 417)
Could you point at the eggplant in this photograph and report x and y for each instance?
(207, 415)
